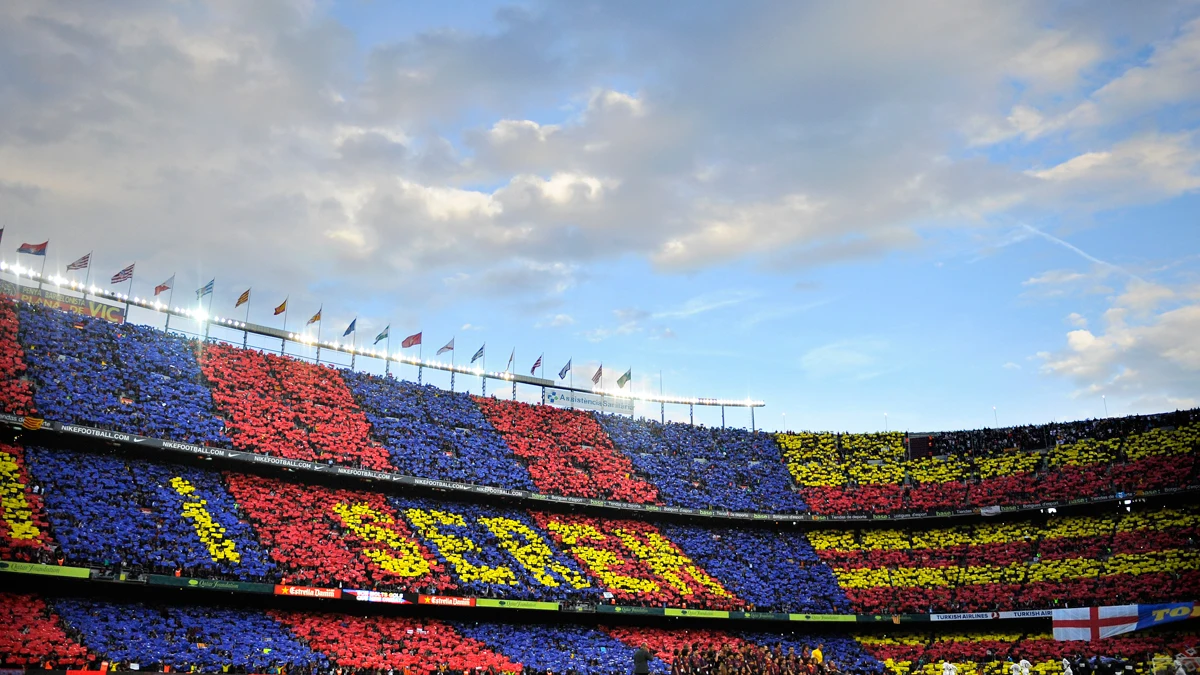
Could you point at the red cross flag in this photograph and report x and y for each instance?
(1094, 623)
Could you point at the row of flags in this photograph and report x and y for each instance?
(414, 340)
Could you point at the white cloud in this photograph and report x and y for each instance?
(1142, 354)
(861, 359)
(1078, 320)
(556, 321)
(1011, 366)
(1054, 277)
(393, 169)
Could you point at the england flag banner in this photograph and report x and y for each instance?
(1094, 623)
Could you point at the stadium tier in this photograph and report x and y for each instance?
(139, 380)
(97, 510)
(72, 633)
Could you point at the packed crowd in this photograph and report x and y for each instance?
(280, 406)
(1062, 561)
(122, 377)
(24, 530)
(704, 468)
(995, 653)
(137, 379)
(97, 509)
(567, 452)
(89, 633)
(435, 433)
(837, 475)
(109, 511)
(15, 396)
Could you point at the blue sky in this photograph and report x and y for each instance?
(948, 213)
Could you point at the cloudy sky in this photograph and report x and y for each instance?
(925, 210)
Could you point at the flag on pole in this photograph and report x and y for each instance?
(624, 379)
(204, 290)
(1094, 623)
(384, 334)
(448, 348)
(315, 317)
(165, 286)
(81, 264)
(34, 249)
(478, 354)
(511, 356)
(242, 299)
(536, 364)
(598, 375)
(281, 308)
(411, 341)
(124, 275)
(1, 234)
(565, 369)
(350, 329)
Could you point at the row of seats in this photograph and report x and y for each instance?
(1137, 557)
(101, 509)
(139, 380)
(993, 653)
(15, 396)
(37, 632)
(704, 468)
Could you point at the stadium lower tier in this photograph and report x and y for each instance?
(71, 633)
(97, 509)
(139, 380)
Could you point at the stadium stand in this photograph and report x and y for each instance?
(123, 377)
(15, 396)
(25, 536)
(567, 452)
(31, 635)
(109, 511)
(434, 433)
(279, 406)
(837, 476)
(74, 632)
(104, 510)
(705, 468)
(139, 380)
(1077, 561)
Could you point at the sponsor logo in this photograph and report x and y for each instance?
(309, 592)
(197, 449)
(96, 433)
(446, 601)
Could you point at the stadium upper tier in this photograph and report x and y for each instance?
(139, 380)
(40, 632)
(97, 510)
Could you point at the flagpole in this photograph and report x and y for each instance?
(128, 290)
(208, 319)
(42, 274)
(452, 366)
(170, 300)
(283, 340)
(513, 360)
(420, 359)
(87, 276)
(483, 376)
(387, 358)
(245, 329)
(572, 374)
(322, 307)
(353, 344)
